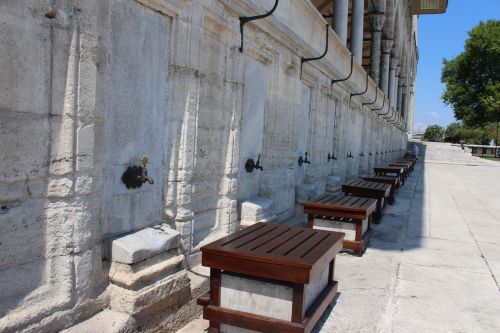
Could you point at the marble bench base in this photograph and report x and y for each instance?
(357, 232)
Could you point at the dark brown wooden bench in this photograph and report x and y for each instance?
(403, 162)
(267, 253)
(397, 171)
(391, 180)
(406, 171)
(363, 188)
(410, 158)
(340, 211)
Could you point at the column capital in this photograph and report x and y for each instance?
(394, 63)
(377, 21)
(387, 45)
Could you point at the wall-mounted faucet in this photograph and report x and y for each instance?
(362, 155)
(350, 155)
(257, 165)
(250, 165)
(370, 154)
(136, 175)
(303, 160)
(331, 157)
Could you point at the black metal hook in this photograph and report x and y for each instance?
(361, 93)
(383, 114)
(304, 60)
(245, 19)
(393, 113)
(380, 108)
(394, 121)
(376, 97)
(346, 78)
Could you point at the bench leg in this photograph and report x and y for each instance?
(359, 236)
(298, 303)
(310, 221)
(215, 282)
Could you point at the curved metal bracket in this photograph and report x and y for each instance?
(361, 93)
(380, 108)
(396, 120)
(376, 97)
(245, 19)
(393, 114)
(346, 78)
(304, 60)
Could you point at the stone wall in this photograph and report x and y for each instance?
(88, 88)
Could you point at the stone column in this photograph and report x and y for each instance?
(384, 66)
(377, 23)
(400, 92)
(392, 80)
(358, 18)
(404, 102)
(340, 15)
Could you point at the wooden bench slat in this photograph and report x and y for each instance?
(277, 233)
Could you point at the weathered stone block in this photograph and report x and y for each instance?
(333, 183)
(105, 321)
(142, 244)
(168, 293)
(24, 140)
(305, 192)
(24, 60)
(147, 271)
(256, 209)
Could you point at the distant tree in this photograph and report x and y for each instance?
(433, 133)
(454, 133)
(472, 78)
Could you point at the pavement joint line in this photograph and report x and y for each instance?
(451, 268)
(477, 245)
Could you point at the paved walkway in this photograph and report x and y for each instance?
(433, 264)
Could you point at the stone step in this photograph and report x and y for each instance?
(142, 244)
(105, 321)
(256, 209)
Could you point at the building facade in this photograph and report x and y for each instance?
(87, 88)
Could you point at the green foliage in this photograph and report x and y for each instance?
(433, 133)
(478, 135)
(454, 133)
(472, 78)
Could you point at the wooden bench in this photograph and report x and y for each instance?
(363, 188)
(407, 163)
(398, 171)
(348, 214)
(270, 278)
(391, 180)
(406, 171)
(412, 159)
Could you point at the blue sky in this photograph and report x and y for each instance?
(443, 36)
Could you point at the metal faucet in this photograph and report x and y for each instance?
(305, 160)
(257, 165)
(144, 174)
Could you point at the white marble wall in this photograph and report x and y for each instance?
(89, 87)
